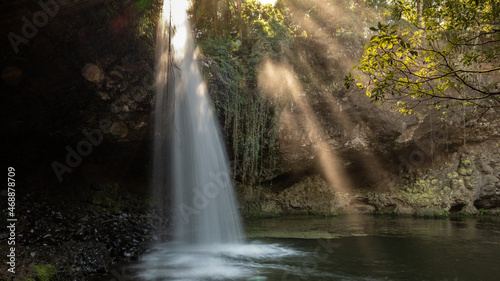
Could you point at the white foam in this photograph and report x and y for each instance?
(177, 261)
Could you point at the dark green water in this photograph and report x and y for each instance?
(387, 248)
(340, 248)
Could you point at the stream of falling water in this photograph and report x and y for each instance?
(190, 156)
(204, 201)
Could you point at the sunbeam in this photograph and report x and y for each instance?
(279, 78)
(353, 127)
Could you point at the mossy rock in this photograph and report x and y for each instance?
(108, 199)
(43, 272)
(462, 171)
(465, 172)
(452, 175)
(466, 162)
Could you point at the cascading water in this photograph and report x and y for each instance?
(189, 155)
(204, 201)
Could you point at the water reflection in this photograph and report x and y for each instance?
(394, 248)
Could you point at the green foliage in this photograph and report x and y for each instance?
(236, 41)
(114, 198)
(324, 214)
(44, 272)
(329, 35)
(446, 212)
(109, 199)
(446, 54)
(338, 26)
(436, 214)
(481, 212)
(464, 214)
(332, 214)
(146, 26)
(131, 23)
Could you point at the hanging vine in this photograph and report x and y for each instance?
(247, 35)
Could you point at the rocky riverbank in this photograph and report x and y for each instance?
(77, 241)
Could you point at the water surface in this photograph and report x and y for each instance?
(339, 248)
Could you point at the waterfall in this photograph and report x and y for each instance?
(190, 160)
(189, 152)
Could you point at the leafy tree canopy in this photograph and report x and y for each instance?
(440, 52)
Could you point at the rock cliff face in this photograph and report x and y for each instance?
(387, 162)
(468, 182)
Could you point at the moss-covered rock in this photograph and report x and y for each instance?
(42, 272)
(437, 193)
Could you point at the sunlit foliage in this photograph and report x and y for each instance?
(330, 36)
(440, 53)
(235, 39)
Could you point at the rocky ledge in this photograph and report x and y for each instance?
(467, 182)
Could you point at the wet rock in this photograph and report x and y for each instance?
(84, 241)
(116, 74)
(92, 73)
(119, 129)
(104, 95)
(489, 196)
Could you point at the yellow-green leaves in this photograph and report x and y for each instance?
(447, 54)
